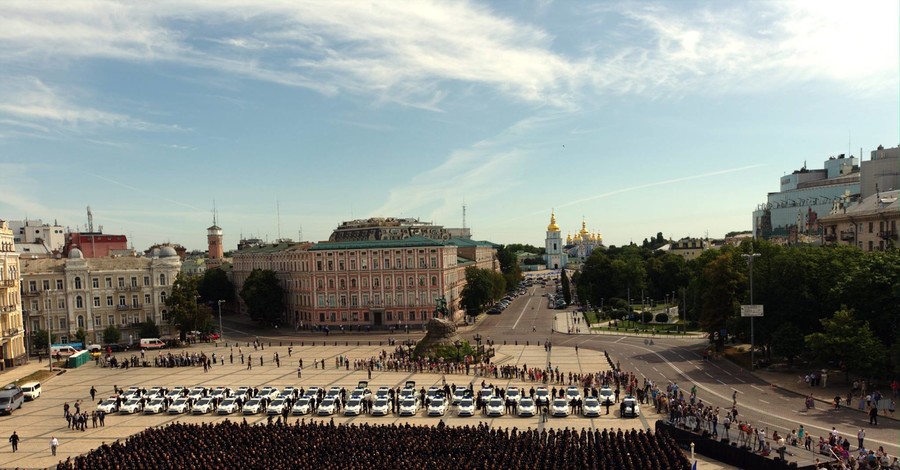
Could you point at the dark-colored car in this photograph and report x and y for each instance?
(115, 348)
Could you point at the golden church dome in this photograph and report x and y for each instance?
(599, 237)
(584, 230)
(553, 227)
(569, 239)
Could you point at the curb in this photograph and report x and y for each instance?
(826, 402)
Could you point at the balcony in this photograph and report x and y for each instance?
(121, 307)
(31, 293)
(888, 234)
(848, 236)
(136, 307)
(830, 237)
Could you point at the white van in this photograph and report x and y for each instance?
(31, 390)
(152, 343)
(64, 351)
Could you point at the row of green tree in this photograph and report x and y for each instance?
(797, 285)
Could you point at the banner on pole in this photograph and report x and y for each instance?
(751, 310)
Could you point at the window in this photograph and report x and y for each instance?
(121, 282)
(134, 301)
(146, 280)
(387, 263)
(409, 262)
(79, 302)
(331, 300)
(59, 284)
(376, 282)
(871, 224)
(353, 283)
(121, 300)
(96, 301)
(110, 320)
(412, 316)
(108, 282)
(62, 323)
(95, 283)
(147, 299)
(80, 321)
(399, 316)
(341, 265)
(61, 303)
(319, 268)
(343, 316)
(109, 301)
(362, 264)
(319, 283)
(410, 282)
(343, 284)
(320, 300)
(321, 314)
(355, 316)
(331, 283)
(32, 286)
(134, 281)
(330, 265)
(390, 316)
(343, 301)
(165, 315)
(333, 317)
(97, 321)
(162, 297)
(433, 262)
(162, 279)
(354, 300)
(365, 316)
(46, 284)
(433, 281)
(421, 281)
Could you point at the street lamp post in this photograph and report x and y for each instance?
(478, 341)
(749, 257)
(458, 344)
(221, 330)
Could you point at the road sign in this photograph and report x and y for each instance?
(751, 310)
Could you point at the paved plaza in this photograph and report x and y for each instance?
(43, 418)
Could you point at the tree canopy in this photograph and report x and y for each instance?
(483, 287)
(185, 312)
(264, 296)
(214, 286)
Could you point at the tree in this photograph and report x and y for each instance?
(264, 296)
(81, 336)
(509, 266)
(850, 341)
(786, 342)
(40, 339)
(111, 335)
(564, 284)
(148, 329)
(215, 286)
(721, 282)
(483, 286)
(186, 313)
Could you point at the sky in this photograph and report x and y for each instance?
(290, 116)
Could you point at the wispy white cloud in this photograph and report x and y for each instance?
(29, 102)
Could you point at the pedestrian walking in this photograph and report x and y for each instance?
(860, 436)
(54, 443)
(299, 371)
(93, 393)
(14, 440)
(873, 416)
(734, 398)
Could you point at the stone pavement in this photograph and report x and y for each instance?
(37, 421)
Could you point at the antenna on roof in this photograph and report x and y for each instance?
(278, 215)
(90, 219)
(215, 222)
(464, 213)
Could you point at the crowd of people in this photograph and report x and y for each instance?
(325, 446)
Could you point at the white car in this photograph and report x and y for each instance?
(333, 392)
(514, 394)
(630, 407)
(560, 407)
(253, 407)
(466, 407)
(156, 406)
(383, 392)
(486, 393)
(228, 406)
(110, 405)
(572, 393)
(591, 407)
(175, 393)
(353, 407)
(313, 391)
(197, 393)
(382, 407)
(242, 392)
(276, 407)
(220, 392)
(131, 406)
(133, 392)
(361, 393)
(542, 396)
(433, 392)
(268, 392)
(409, 407)
(203, 406)
(437, 407)
(289, 392)
(301, 407)
(326, 408)
(526, 407)
(154, 392)
(459, 394)
(496, 407)
(179, 406)
(606, 396)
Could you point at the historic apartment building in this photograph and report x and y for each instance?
(870, 223)
(367, 283)
(63, 295)
(12, 331)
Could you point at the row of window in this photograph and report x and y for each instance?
(79, 301)
(98, 321)
(411, 263)
(424, 298)
(376, 282)
(95, 283)
(389, 317)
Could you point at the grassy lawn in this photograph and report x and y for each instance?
(591, 317)
(630, 325)
(38, 376)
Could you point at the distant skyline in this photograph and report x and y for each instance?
(638, 117)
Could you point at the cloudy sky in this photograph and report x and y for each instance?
(640, 117)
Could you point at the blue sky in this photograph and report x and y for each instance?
(641, 117)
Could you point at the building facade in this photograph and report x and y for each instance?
(869, 224)
(803, 196)
(64, 295)
(52, 237)
(393, 228)
(96, 244)
(689, 248)
(12, 329)
(369, 283)
(580, 247)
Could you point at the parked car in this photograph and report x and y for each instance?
(513, 394)
(31, 390)
(156, 406)
(409, 407)
(253, 406)
(108, 406)
(179, 406)
(302, 407)
(203, 406)
(276, 407)
(630, 407)
(496, 407)
(227, 407)
(131, 406)
(606, 396)
(326, 408)
(466, 407)
(591, 407)
(382, 407)
(526, 407)
(437, 407)
(353, 407)
(559, 408)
